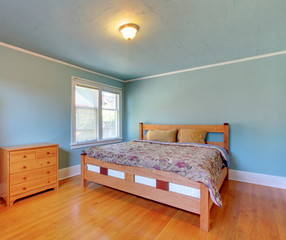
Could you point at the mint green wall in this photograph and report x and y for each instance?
(35, 102)
(250, 95)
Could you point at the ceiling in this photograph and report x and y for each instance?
(173, 34)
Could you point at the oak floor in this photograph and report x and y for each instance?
(249, 212)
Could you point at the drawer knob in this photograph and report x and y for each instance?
(48, 172)
(48, 162)
(48, 153)
(24, 167)
(24, 178)
(24, 188)
(24, 156)
(48, 181)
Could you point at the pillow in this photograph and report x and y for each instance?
(192, 136)
(162, 135)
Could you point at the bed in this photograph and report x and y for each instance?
(129, 178)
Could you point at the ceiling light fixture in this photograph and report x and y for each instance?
(129, 30)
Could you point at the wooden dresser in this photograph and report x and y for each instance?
(27, 169)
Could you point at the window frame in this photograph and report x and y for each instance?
(101, 87)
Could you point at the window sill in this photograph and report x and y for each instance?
(95, 143)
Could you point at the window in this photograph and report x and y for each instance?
(96, 113)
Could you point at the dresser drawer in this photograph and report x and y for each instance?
(32, 175)
(32, 185)
(46, 162)
(23, 166)
(22, 155)
(46, 152)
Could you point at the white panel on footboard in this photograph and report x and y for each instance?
(145, 180)
(93, 168)
(117, 174)
(189, 191)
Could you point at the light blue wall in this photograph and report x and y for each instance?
(35, 102)
(35, 106)
(250, 95)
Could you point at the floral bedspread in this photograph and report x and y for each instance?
(198, 162)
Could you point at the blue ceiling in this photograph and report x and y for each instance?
(173, 35)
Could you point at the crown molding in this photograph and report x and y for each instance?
(146, 77)
(57, 61)
(208, 66)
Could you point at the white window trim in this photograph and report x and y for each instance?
(100, 86)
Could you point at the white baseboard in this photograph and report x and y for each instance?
(257, 178)
(241, 176)
(69, 172)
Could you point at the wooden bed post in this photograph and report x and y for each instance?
(205, 208)
(83, 169)
(141, 131)
(226, 142)
(226, 136)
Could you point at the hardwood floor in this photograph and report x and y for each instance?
(249, 212)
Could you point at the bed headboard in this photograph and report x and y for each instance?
(209, 128)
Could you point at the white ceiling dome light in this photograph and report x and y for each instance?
(129, 30)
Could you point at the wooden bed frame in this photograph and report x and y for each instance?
(161, 193)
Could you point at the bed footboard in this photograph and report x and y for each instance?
(160, 193)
